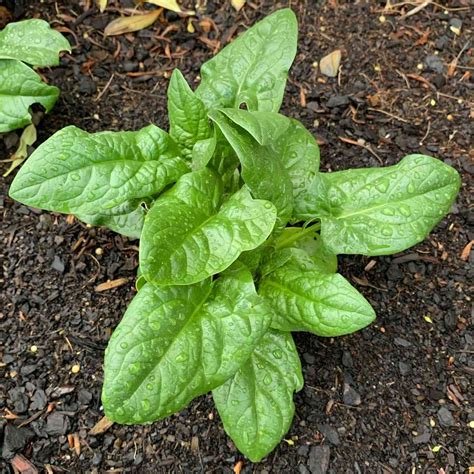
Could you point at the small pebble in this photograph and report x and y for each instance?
(75, 369)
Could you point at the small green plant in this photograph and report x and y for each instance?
(239, 233)
(26, 42)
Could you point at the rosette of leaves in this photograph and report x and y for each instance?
(22, 45)
(239, 235)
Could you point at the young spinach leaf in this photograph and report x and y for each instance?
(80, 173)
(189, 236)
(256, 404)
(21, 87)
(188, 116)
(175, 343)
(380, 211)
(33, 42)
(252, 70)
(306, 299)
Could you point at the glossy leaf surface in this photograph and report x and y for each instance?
(256, 404)
(306, 299)
(254, 67)
(262, 169)
(177, 342)
(33, 42)
(189, 236)
(187, 115)
(20, 88)
(80, 173)
(380, 211)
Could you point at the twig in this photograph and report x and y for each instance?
(362, 145)
(426, 133)
(103, 91)
(415, 10)
(389, 114)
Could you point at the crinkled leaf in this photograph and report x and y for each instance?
(306, 299)
(188, 236)
(80, 173)
(175, 343)
(33, 42)
(187, 114)
(254, 67)
(299, 152)
(203, 151)
(28, 137)
(380, 211)
(256, 404)
(262, 169)
(126, 219)
(21, 87)
(309, 240)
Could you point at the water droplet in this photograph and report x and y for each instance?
(260, 366)
(387, 231)
(134, 368)
(120, 411)
(146, 404)
(268, 205)
(183, 357)
(267, 380)
(124, 345)
(234, 402)
(75, 177)
(149, 386)
(154, 325)
(382, 185)
(277, 354)
(405, 210)
(388, 211)
(411, 188)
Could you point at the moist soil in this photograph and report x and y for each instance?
(393, 398)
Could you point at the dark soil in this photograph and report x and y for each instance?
(393, 398)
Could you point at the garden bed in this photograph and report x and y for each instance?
(390, 398)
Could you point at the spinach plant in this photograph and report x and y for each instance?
(26, 42)
(239, 233)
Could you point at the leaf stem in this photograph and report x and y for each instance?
(293, 238)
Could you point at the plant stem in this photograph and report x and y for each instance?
(293, 238)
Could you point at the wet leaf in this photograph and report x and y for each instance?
(128, 24)
(329, 65)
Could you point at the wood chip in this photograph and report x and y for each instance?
(101, 426)
(22, 465)
(194, 444)
(370, 265)
(102, 4)
(238, 4)
(238, 467)
(329, 65)
(108, 285)
(77, 444)
(467, 251)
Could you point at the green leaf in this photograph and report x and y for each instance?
(80, 173)
(175, 343)
(299, 152)
(262, 168)
(253, 68)
(380, 211)
(306, 299)
(21, 87)
(33, 42)
(310, 241)
(187, 114)
(126, 219)
(188, 236)
(256, 404)
(202, 153)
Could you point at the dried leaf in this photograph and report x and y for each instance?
(28, 137)
(102, 4)
(466, 251)
(171, 5)
(128, 24)
(329, 65)
(238, 4)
